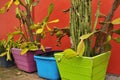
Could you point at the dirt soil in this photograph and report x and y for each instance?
(12, 73)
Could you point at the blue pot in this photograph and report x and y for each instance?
(5, 63)
(46, 66)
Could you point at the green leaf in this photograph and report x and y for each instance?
(34, 26)
(50, 9)
(28, 2)
(16, 2)
(10, 37)
(117, 40)
(45, 20)
(2, 10)
(81, 48)
(33, 48)
(58, 34)
(24, 51)
(48, 28)
(3, 54)
(40, 30)
(54, 21)
(117, 31)
(108, 39)
(43, 48)
(16, 33)
(116, 21)
(107, 47)
(24, 45)
(8, 55)
(69, 53)
(8, 5)
(18, 13)
(35, 3)
(87, 35)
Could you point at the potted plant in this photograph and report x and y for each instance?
(46, 62)
(46, 65)
(89, 56)
(29, 32)
(6, 59)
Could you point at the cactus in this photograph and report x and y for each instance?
(80, 22)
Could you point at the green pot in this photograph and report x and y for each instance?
(82, 68)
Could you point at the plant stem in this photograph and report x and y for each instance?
(106, 29)
(29, 23)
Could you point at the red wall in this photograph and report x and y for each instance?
(7, 22)
(59, 6)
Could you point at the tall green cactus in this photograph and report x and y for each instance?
(80, 22)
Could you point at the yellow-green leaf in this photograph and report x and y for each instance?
(8, 55)
(87, 35)
(50, 9)
(24, 45)
(10, 37)
(117, 31)
(69, 53)
(116, 21)
(40, 30)
(3, 54)
(109, 38)
(35, 3)
(81, 48)
(2, 10)
(18, 13)
(43, 48)
(16, 2)
(117, 39)
(33, 48)
(48, 28)
(24, 51)
(34, 26)
(8, 5)
(16, 33)
(54, 21)
(107, 47)
(28, 1)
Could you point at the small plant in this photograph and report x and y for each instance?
(30, 32)
(5, 47)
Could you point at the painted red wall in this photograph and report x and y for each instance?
(59, 6)
(8, 21)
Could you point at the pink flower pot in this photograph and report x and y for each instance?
(26, 62)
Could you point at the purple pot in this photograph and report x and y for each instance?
(26, 62)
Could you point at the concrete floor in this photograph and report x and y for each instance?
(12, 73)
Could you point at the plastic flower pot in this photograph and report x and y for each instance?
(5, 63)
(46, 66)
(82, 68)
(26, 62)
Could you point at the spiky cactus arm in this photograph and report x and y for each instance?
(80, 20)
